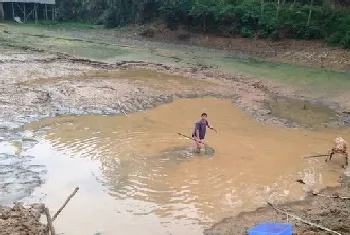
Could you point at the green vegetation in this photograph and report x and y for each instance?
(302, 19)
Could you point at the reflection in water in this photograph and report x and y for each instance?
(145, 179)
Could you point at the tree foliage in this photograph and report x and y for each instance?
(302, 19)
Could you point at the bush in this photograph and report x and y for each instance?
(345, 41)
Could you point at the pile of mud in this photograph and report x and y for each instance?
(21, 220)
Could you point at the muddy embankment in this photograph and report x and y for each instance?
(313, 53)
(36, 85)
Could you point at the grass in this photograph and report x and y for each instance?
(316, 80)
(56, 24)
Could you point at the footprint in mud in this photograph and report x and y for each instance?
(18, 178)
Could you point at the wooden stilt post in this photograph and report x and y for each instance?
(46, 17)
(36, 13)
(24, 13)
(2, 13)
(52, 12)
(13, 12)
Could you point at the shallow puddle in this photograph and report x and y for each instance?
(138, 176)
(150, 78)
(310, 114)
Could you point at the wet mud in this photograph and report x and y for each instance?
(72, 87)
(39, 84)
(21, 220)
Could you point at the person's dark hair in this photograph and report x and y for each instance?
(204, 114)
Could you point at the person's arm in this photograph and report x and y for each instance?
(210, 126)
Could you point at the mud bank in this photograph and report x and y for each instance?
(59, 84)
(325, 209)
(21, 220)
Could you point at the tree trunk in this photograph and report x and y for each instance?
(262, 8)
(278, 9)
(2, 14)
(310, 12)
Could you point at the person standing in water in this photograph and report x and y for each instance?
(199, 130)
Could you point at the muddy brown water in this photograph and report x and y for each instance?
(137, 176)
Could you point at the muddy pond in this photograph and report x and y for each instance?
(137, 176)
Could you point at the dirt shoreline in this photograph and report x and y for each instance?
(312, 53)
(31, 96)
(250, 94)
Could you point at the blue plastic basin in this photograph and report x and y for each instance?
(271, 228)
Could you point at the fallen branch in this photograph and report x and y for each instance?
(49, 222)
(301, 220)
(65, 203)
(59, 211)
(331, 196)
(320, 155)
